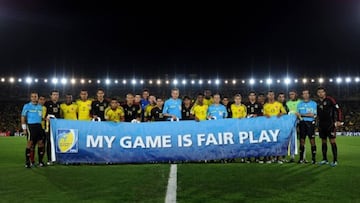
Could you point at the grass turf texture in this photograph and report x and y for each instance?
(234, 182)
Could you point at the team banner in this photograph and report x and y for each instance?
(109, 142)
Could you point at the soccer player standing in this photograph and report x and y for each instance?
(238, 110)
(306, 112)
(31, 117)
(156, 112)
(293, 102)
(172, 106)
(68, 109)
(114, 112)
(199, 111)
(84, 106)
(217, 110)
(132, 110)
(253, 108)
(99, 105)
(52, 109)
(186, 108)
(330, 117)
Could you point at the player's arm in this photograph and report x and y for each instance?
(282, 110)
(23, 124)
(93, 112)
(338, 113)
(138, 113)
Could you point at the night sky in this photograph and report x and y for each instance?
(87, 39)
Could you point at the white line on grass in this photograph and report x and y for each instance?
(172, 184)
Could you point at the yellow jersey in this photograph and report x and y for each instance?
(43, 117)
(273, 109)
(69, 112)
(200, 111)
(147, 112)
(238, 111)
(114, 115)
(84, 108)
(208, 102)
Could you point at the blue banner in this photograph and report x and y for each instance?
(103, 142)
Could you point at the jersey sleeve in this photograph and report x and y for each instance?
(338, 112)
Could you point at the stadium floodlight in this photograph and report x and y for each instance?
(200, 82)
(296, 80)
(243, 81)
(73, 81)
(36, 80)
(287, 81)
(192, 81)
(217, 81)
(107, 81)
(331, 80)
(183, 82)
(226, 81)
(269, 81)
(175, 82)
(167, 82)
(278, 81)
(11, 80)
(150, 82)
(338, 80)
(133, 81)
(321, 80)
(2, 79)
(63, 81)
(158, 82)
(45, 80)
(357, 79)
(209, 81)
(82, 81)
(261, 81)
(348, 80)
(54, 81)
(234, 82)
(19, 80)
(304, 80)
(89, 81)
(252, 81)
(312, 80)
(141, 81)
(116, 81)
(124, 82)
(28, 80)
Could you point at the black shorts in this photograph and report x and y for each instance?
(307, 128)
(35, 132)
(327, 131)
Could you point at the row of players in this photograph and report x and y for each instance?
(206, 106)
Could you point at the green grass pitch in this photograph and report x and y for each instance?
(197, 182)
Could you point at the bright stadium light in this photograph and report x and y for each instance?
(312, 80)
(269, 81)
(347, 80)
(321, 80)
(278, 81)
(331, 80)
(150, 82)
(192, 82)
(183, 82)
(243, 81)
(98, 81)
(357, 79)
(107, 81)
(141, 81)
(36, 80)
(339, 80)
(124, 82)
(63, 81)
(209, 81)
(73, 81)
(28, 80)
(45, 80)
(233, 82)
(175, 81)
(226, 81)
(116, 81)
(167, 82)
(200, 82)
(133, 81)
(252, 81)
(261, 81)
(89, 81)
(296, 80)
(287, 81)
(158, 82)
(54, 81)
(19, 80)
(11, 80)
(82, 81)
(2, 79)
(304, 80)
(217, 81)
